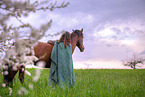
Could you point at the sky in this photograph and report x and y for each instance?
(114, 30)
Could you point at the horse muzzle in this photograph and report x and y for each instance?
(82, 48)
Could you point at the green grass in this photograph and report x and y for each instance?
(89, 83)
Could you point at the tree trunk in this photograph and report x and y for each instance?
(134, 66)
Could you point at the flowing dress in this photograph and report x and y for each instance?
(61, 70)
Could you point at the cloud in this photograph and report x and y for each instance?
(96, 50)
(110, 32)
(142, 53)
(113, 29)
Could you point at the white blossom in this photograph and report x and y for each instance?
(23, 90)
(10, 91)
(3, 85)
(41, 64)
(6, 72)
(30, 86)
(27, 72)
(20, 92)
(5, 67)
(15, 68)
(37, 75)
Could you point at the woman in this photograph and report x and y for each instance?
(61, 70)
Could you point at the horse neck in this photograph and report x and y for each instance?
(74, 43)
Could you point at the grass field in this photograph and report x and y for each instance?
(89, 83)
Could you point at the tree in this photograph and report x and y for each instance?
(132, 62)
(8, 33)
(12, 34)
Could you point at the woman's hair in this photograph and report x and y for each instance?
(66, 39)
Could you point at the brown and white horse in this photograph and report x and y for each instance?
(45, 49)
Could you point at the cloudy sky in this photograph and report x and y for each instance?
(113, 30)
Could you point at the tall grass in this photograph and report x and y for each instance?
(89, 83)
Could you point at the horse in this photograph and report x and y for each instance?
(44, 49)
(43, 53)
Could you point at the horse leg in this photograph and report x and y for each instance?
(22, 73)
(8, 78)
(48, 64)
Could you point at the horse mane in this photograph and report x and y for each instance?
(76, 32)
(66, 39)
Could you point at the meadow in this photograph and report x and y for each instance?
(89, 83)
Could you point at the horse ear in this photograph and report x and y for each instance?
(82, 30)
(73, 30)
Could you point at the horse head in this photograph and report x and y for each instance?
(79, 39)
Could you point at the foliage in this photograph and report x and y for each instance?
(89, 83)
(134, 61)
